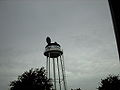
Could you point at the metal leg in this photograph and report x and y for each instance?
(54, 73)
(59, 73)
(63, 72)
(49, 65)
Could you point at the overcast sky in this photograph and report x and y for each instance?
(82, 27)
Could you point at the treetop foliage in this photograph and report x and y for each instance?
(112, 82)
(34, 79)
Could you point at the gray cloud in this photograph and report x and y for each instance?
(83, 28)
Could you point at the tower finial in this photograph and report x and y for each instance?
(48, 40)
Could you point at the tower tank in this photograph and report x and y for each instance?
(53, 50)
(55, 65)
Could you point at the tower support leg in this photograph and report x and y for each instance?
(54, 73)
(59, 74)
(63, 73)
(49, 65)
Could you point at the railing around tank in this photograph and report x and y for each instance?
(53, 47)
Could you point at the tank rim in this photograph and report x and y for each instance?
(53, 53)
(50, 44)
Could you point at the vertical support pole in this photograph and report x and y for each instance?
(63, 72)
(46, 70)
(58, 73)
(49, 65)
(54, 73)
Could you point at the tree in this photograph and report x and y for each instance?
(32, 80)
(112, 82)
(76, 89)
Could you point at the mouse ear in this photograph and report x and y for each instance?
(48, 40)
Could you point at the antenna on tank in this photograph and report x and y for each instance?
(48, 40)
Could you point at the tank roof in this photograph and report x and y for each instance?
(55, 43)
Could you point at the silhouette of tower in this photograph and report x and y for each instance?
(55, 67)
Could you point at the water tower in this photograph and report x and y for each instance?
(55, 67)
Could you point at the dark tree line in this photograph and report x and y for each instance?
(36, 79)
(76, 89)
(112, 82)
(32, 80)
